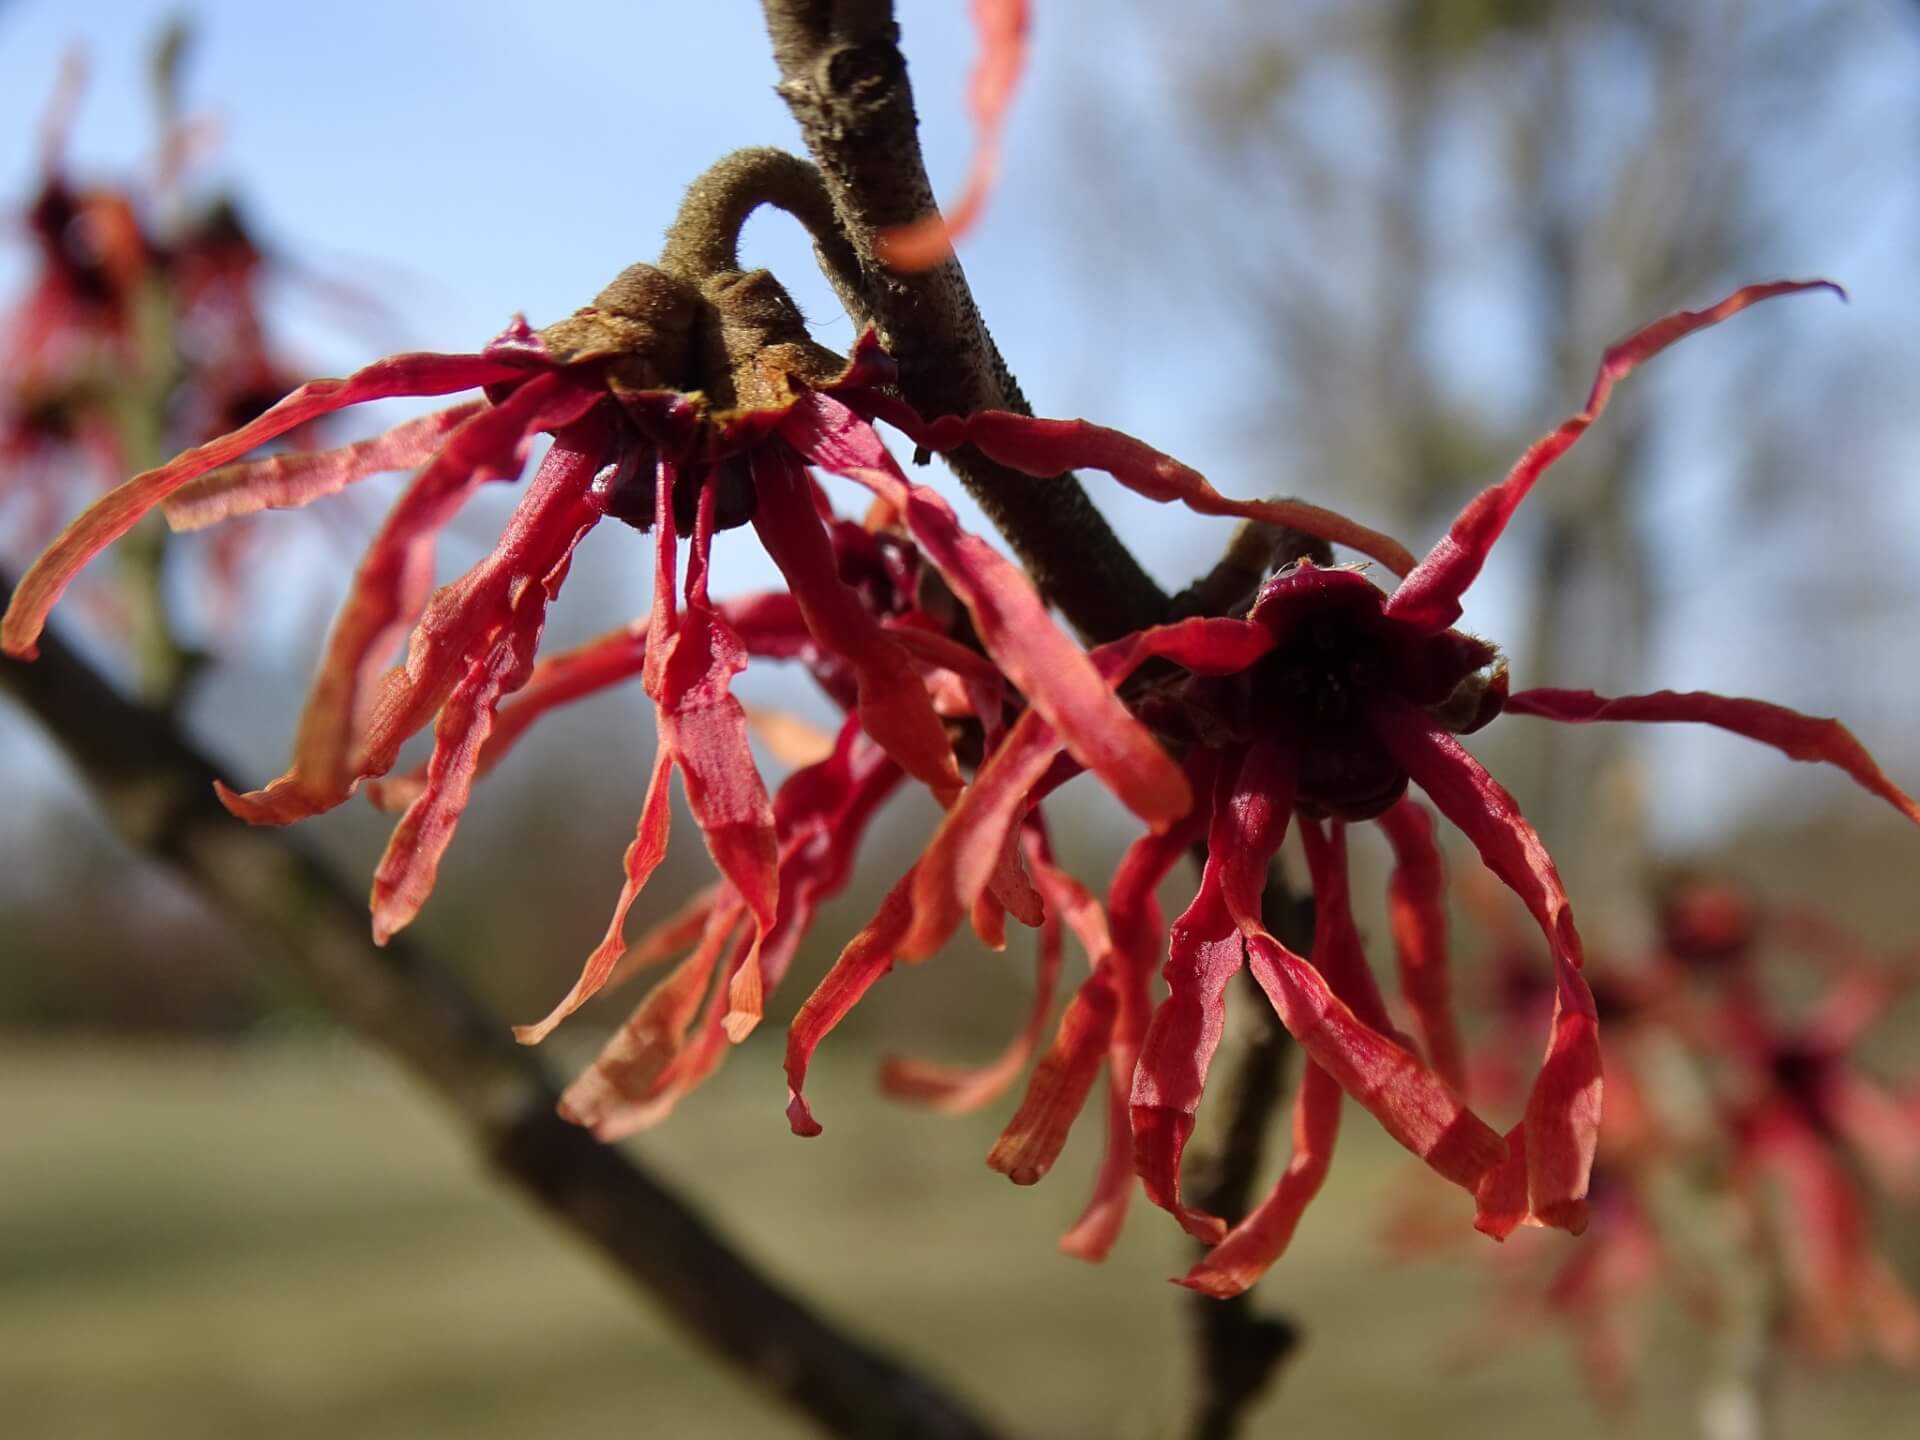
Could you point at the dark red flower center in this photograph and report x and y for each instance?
(1337, 661)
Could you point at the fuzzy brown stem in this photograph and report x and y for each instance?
(704, 239)
(158, 790)
(844, 79)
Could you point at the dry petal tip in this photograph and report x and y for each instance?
(1208, 1281)
(800, 1117)
(1024, 1174)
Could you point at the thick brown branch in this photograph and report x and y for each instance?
(159, 791)
(844, 79)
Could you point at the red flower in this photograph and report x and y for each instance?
(653, 428)
(1324, 702)
(133, 337)
(1807, 1123)
(1003, 27)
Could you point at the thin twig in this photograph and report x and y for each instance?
(158, 790)
(844, 79)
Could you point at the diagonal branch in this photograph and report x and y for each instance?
(158, 790)
(844, 79)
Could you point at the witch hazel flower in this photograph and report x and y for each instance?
(1814, 1135)
(685, 401)
(141, 329)
(1316, 710)
(1765, 1147)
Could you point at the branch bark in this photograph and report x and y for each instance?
(158, 790)
(845, 80)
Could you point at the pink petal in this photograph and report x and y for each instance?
(1430, 596)
(299, 477)
(1137, 931)
(1060, 1085)
(643, 857)
(1003, 26)
(1811, 738)
(115, 513)
(1251, 1247)
(868, 956)
(1251, 801)
(654, 1035)
(705, 730)
(1563, 1112)
(1417, 916)
(556, 680)
(958, 861)
(1051, 447)
(893, 702)
(556, 513)
(1412, 1104)
(957, 1091)
(345, 737)
(1060, 682)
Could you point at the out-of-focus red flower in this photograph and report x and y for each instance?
(1324, 703)
(1780, 1124)
(141, 331)
(1003, 26)
(1809, 1128)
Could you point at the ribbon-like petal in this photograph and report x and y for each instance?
(1430, 595)
(1814, 739)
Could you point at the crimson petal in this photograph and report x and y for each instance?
(957, 1091)
(958, 861)
(1411, 1103)
(1251, 1247)
(342, 738)
(867, 957)
(1137, 930)
(300, 477)
(1058, 679)
(1251, 803)
(1003, 26)
(654, 1034)
(1563, 1110)
(534, 556)
(1430, 596)
(1417, 917)
(893, 702)
(1051, 447)
(1811, 738)
(115, 513)
(1061, 1083)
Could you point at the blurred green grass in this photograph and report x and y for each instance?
(282, 1238)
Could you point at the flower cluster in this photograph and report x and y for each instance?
(1322, 705)
(140, 331)
(688, 400)
(1772, 1148)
